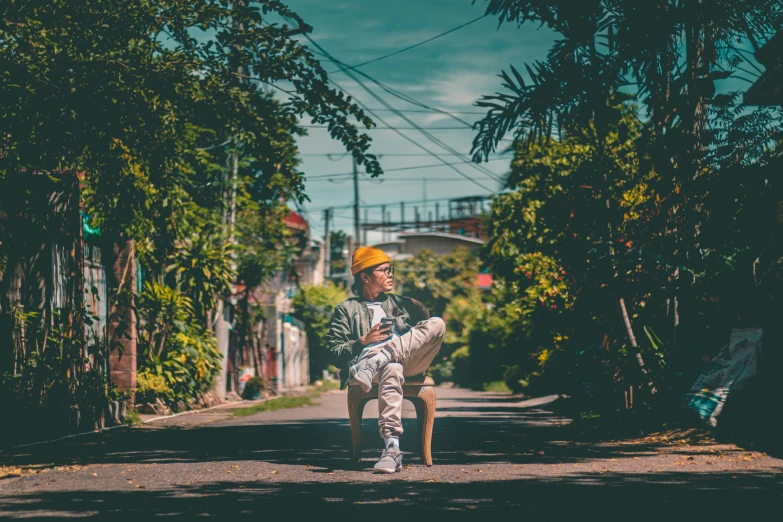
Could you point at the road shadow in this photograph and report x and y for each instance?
(319, 450)
(660, 496)
(528, 436)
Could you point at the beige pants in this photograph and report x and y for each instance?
(411, 354)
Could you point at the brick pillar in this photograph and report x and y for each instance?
(122, 320)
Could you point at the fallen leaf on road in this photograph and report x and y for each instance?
(480, 470)
(95, 474)
(274, 472)
(432, 480)
(140, 486)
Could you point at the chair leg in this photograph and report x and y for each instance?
(355, 409)
(426, 421)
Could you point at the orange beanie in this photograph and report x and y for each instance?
(365, 257)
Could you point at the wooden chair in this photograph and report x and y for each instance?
(419, 390)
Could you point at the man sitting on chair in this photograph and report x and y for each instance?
(382, 338)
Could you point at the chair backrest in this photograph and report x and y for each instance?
(423, 309)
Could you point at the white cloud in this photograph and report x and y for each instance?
(461, 89)
(436, 117)
(368, 24)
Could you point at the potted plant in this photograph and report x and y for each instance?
(253, 389)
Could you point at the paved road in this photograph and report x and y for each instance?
(493, 456)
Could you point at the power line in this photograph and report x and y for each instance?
(379, 154)
(411, 140)
(395, 111)
(383, 102)
(320, 176)
(389, 90)
(393, 92)
(427, 111)
(352, 67)
(390, 204)
(386, 128)
(398, 183)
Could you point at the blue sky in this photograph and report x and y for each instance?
(450, 73)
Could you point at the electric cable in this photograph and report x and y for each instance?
(397, 169)
(400, 51)
(407, 138)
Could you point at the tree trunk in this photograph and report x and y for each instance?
(635, 346)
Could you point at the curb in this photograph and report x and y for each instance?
(73, 435)
(190, 412)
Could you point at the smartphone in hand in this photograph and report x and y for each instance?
(389, 323)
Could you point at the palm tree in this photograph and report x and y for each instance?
(664, 54)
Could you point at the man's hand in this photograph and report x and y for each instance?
(379, 332)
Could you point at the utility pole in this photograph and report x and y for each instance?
(348, 277)
(402, 216)
(223, 320)
(388, 226)
(327, 244)
(356, 224)
(424, 197)
(366, 221)
(383, 222)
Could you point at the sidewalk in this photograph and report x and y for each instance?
(226, 411)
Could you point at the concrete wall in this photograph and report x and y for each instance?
(122, 327)
(439, 244)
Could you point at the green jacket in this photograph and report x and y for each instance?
(352, 319)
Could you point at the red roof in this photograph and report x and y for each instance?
(484, 281)
(294, 220)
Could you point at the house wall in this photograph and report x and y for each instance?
(440, 245)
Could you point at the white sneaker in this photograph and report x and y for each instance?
(363, 372)
(391, 461)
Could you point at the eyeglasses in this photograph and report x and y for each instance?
(388, 271)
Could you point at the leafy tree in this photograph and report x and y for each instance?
(437, 281)
(446, 285)
(313, 305)
(619, 216)
(163, 109)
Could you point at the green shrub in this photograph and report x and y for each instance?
(181, 359)
(496, 386)
(442, 372)
(314, 306)
(192, 362)
(461, 372)
(513, 376)
(253, 387)
(150, 387)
